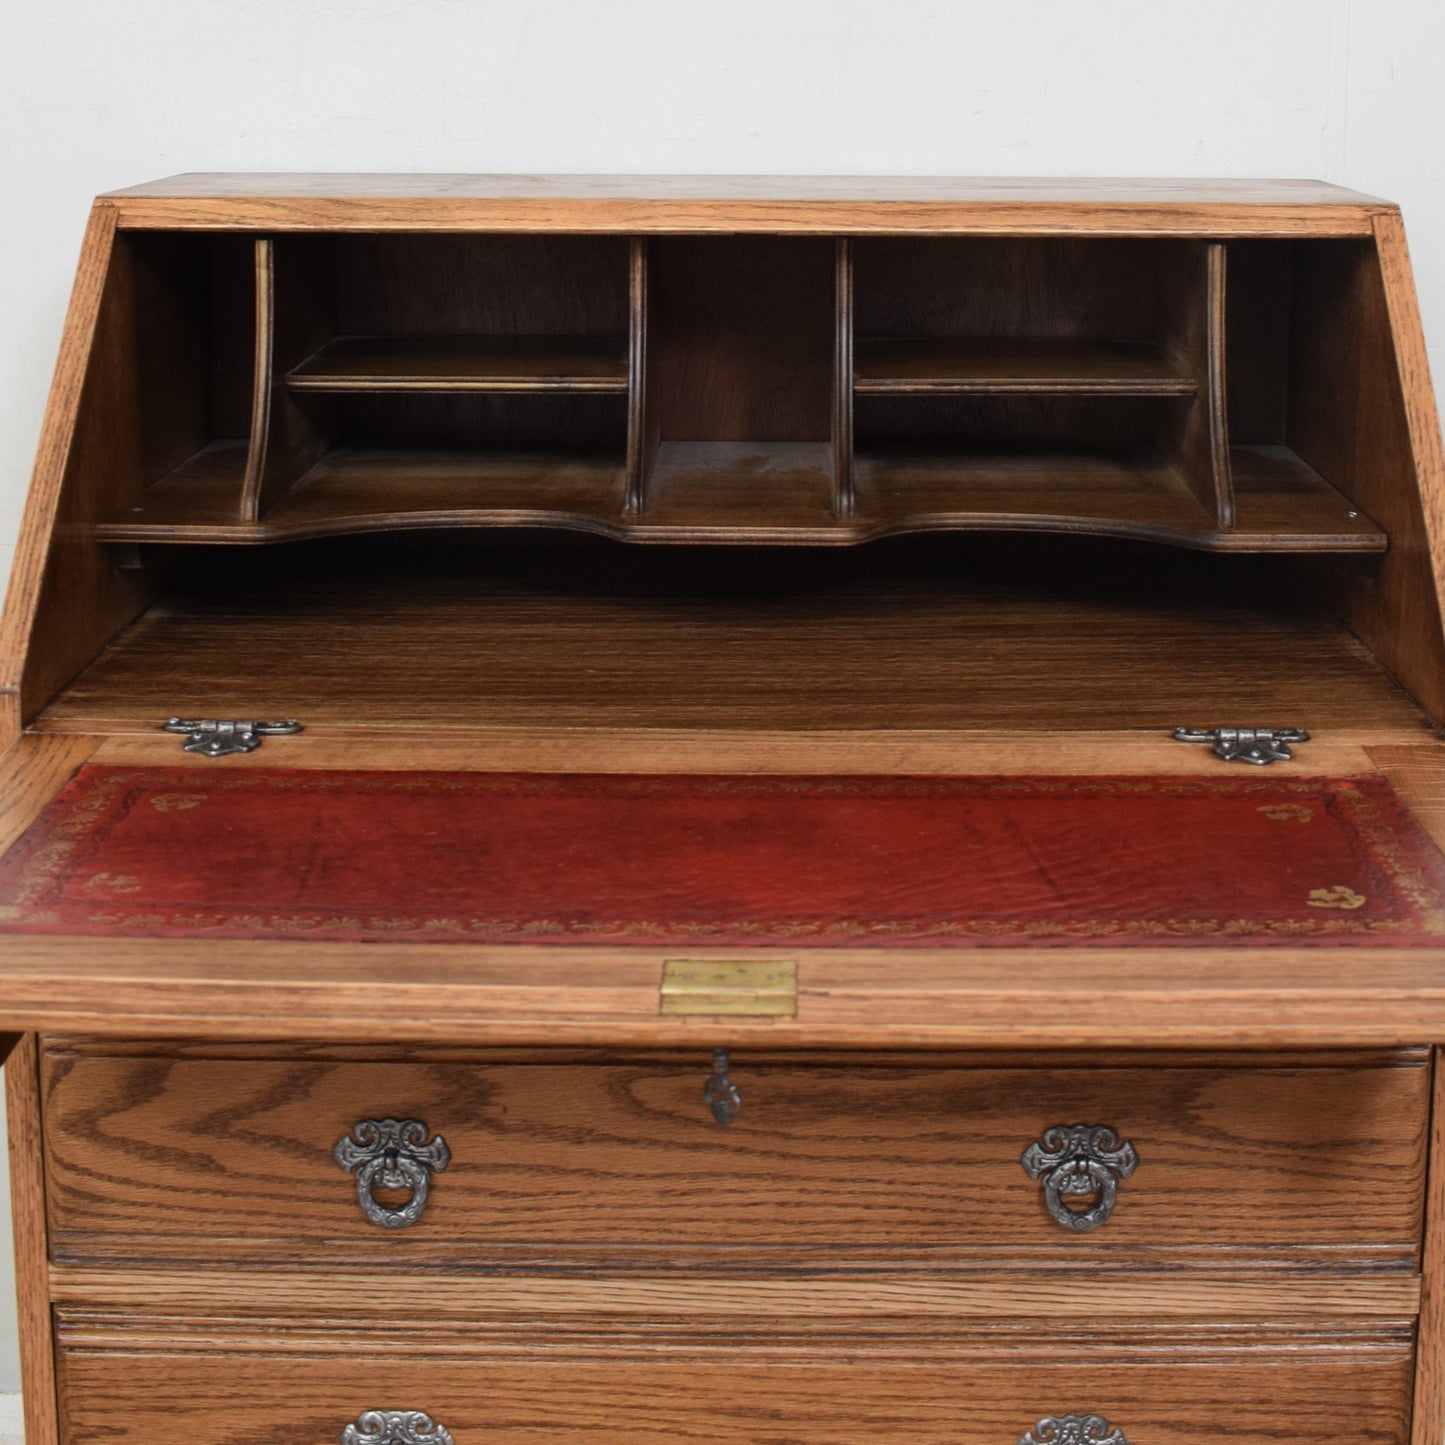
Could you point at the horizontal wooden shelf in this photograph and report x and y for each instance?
(966, 366)
(497, 637)
(769, 492)
(741, 491)
(1284, 507)
(199, 498)
(1277, 495)
(465, 363)
(1116, 493)
(381, 491)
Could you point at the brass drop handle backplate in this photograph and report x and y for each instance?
(396, 1427)
(1080, 1161)
(1074, 1430)
(392, 1154)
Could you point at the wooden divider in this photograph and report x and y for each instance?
(844, 501)
(776, 390)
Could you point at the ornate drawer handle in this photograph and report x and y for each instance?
(392, 1154)
(1079, 1161)
(1074, 1430)
(396, 1427)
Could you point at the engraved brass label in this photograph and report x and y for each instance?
(728, 986)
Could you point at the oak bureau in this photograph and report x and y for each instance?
(668, 809)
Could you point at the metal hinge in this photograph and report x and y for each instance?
(1246, 745)
(217, 738)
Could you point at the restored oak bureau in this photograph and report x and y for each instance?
(660, 809)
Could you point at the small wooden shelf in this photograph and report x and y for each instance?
(779, 492)
(740, 492)
(1280, 497)
(364, 490)
(354, 490)
(962, 366)
(1285, 506)
(199, 501)
(465, 363)
(890, 639)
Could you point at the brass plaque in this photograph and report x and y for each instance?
(742, 986)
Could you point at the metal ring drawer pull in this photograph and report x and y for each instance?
(396, 1427)
(1074, 1430)
(392, 1154)
(1080, 1161)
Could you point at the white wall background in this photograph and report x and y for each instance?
(96, 94)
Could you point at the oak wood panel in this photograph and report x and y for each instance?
(597, 997)
(741, 645)
(1259, 301)
(27, 1207)
(464, 363)
(641, 434)
(1350, 420)
(1417, 774)
(1025, 364)
(742, 338)
(1107, 492)
(480, 285)
(1205, 440)
(736, 493)
(31, 773)
(834, 1392)
(721, 491)
(777, 204)
(202, 497)
(363, 489)
(1428, 1420)
(1417, 653)
(1008, 287)
(1082, 191)
(1276, 492)
(65, 600)
(874, 1303)
(295, 312)
(1281, 504)
(700, 750)
(843, 378)
(554, 1161)
(375, 1052)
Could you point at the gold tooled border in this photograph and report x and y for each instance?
(1374, 811)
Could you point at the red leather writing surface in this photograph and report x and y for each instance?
(962, 862)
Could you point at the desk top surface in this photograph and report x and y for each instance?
(282, 200)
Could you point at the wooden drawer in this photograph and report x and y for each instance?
(132, 1387)
(160, 1157)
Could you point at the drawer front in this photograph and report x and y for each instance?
(187, 1159)
(1178, 1393)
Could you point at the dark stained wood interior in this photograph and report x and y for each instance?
(936, 634)
(1088, 385)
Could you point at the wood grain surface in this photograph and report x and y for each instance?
(1428, 1422)
(816, 205)
(556, 1161)
(475, 641)
(30, 775)
(836, 1392)
(609, 997)
(873, 1303)
(27, 1205)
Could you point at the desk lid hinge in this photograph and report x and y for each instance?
(218, 738)
(1259, 746)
